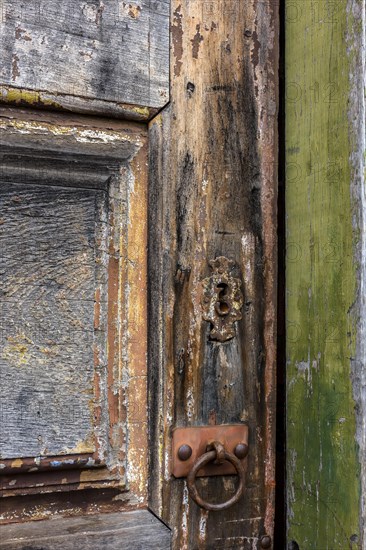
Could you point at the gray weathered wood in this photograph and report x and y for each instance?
(138, 530)
(86, 55)
(47, 270)
(356, 45)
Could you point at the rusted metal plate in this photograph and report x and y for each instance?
(198, 438)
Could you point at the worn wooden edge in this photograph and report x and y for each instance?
(56, 484)
(72, 135)
(122, 148)
(44, 100)
(136, 529)
(135, 331)
(64, 503)
(49, 463)
(356, 42)
(268, 100)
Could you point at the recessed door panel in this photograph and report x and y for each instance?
(48, 266)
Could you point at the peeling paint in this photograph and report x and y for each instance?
(177, 38)
(81, 135)
(321, 284)
(26, 97)
(15, 67)
(196, 40)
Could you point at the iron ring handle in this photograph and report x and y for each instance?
(210, 456)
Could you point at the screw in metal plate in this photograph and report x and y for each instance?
(266, 541)
(241, 450)
(184, 452)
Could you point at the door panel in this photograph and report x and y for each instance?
(73, 306)
(104, 55)
(48, 318)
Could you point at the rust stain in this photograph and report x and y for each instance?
(21, 34)
(134, 11)
(97, 309)
(177, 37)
(14, 67)
(196, 40)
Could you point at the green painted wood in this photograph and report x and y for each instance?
(323, 283)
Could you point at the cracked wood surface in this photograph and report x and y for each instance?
(213, 189)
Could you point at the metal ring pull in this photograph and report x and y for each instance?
(217, 455)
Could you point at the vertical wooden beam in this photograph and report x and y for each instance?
(325, 202)
(213, 192)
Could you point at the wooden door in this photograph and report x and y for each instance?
(138, 262)
(325, 274)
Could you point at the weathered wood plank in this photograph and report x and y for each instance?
(138, 530)
(103, 55)
(48, 271)
(325, 147)
(213, 193)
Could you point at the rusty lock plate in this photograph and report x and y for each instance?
(198, 438)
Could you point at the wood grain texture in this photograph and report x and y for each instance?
(103, 55)
(47, 269)
(213, 187)
(138, 530)
(325, 147)
(73, 269)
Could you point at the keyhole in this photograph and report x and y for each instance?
(222, 305)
